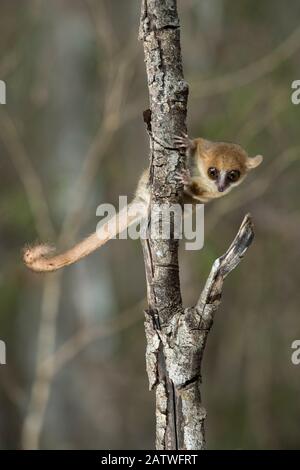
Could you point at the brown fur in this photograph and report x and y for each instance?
(224, 156)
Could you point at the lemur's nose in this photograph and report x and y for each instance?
(221, 182)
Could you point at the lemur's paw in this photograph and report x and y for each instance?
(183, 177)
(182, 141)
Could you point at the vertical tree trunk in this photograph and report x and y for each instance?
(176, 338)
(159, 30)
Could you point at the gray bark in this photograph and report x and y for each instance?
(176, 338)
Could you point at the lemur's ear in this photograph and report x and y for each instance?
(254, 162)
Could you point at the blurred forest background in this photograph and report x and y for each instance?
(71, 137)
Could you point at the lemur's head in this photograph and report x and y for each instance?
(225, 164)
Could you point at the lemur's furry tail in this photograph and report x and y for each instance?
(39, 258)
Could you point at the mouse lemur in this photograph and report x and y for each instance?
(213, 169)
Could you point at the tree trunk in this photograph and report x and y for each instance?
(176, 337)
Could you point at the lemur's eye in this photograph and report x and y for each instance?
(212, 173)
(233, 175)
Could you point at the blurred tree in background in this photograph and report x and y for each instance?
(71, 137)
